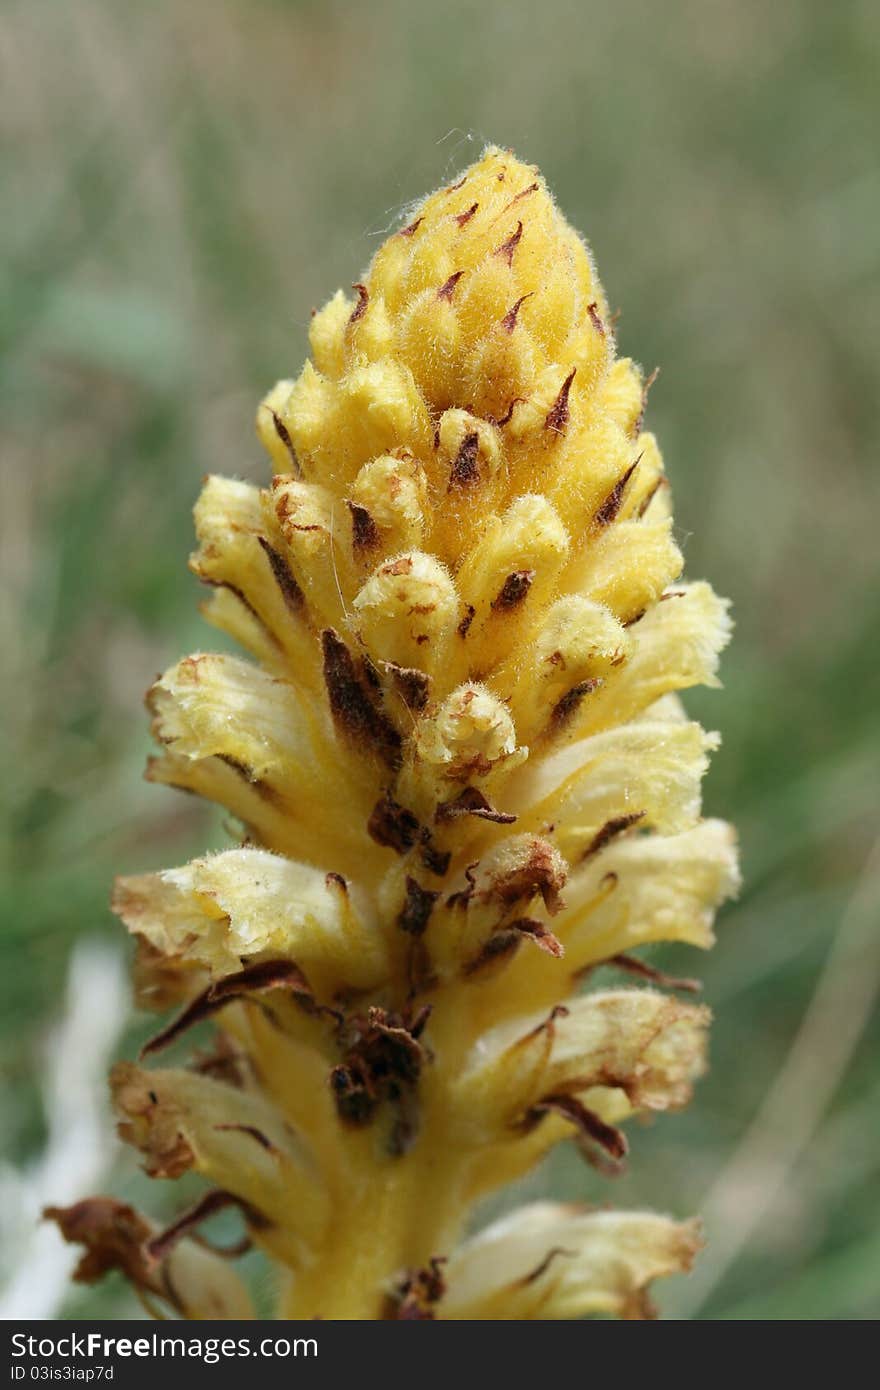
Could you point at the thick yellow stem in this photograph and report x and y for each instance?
(405, 1211)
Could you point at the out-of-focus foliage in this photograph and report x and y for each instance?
(183, 183)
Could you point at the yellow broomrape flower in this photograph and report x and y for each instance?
(465, 779)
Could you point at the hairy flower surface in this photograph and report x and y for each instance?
(465, 779)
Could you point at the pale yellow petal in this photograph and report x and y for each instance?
(550, 1260)
(246, 905)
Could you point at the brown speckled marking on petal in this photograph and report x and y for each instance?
(542, 873)
(364, 531)
(399, 567)
(570, 701)
(464, 626)
(464, 469)
(514, 590)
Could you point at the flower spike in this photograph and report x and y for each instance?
(464, 780)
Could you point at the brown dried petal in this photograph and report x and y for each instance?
(472, 802)
(253, 979)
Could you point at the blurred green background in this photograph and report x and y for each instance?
(183, 182)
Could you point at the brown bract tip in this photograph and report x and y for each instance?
(596, 318)
(643, 971)
(284, 435)
(555, 1253)
(617, 825)
(611, 506)
(416, 911)
(260, 978)
(506, 418)
(597, 1140)
(502, 944)
(472, 802)
(508, 323)
(447, 290)
(412, 685)
(650, 495)
(524, 193)
(361, 307)
(355, 702)
(507, 248)
(159, 1247)
(557, 416)
(646, 389)
(290, 590)
(392, 825)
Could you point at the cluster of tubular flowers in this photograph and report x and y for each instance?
(465, 780)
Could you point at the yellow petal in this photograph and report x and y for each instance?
(246, 905)
(550, 1260)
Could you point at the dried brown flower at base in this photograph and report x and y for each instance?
(465, 780)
